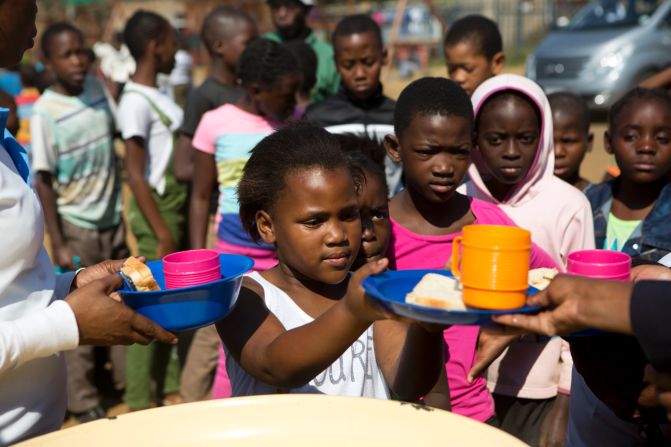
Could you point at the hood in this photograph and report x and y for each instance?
(543, 164)
(570, 43)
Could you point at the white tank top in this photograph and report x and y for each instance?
(355, 373)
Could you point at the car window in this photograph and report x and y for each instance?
(614, 13)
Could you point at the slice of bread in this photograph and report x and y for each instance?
(139, 274)
(541, 278)
(436, 290)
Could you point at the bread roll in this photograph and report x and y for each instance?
(541, 278)
(436, 290)
(139, 275)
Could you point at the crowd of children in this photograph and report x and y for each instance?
(316, 174)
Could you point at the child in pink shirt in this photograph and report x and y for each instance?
(433, 123)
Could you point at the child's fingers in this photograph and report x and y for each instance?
(530, 323)
(371, 268)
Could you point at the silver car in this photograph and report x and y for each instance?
(607, 48)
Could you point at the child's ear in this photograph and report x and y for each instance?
(218, 47)
(264, 225)
(385, 56)
(607, 143)
(393, 147)
(498, 61)
(590, 141)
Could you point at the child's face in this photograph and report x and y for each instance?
(507, 135)
(277, 102)
(374, 210)
(359, 59)
(468, 68)
(69, 60)
(571, 143)
(316, 225)
(166, 47)
(641, 141)
(435, 152)
(233, 47)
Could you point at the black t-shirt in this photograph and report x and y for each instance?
(208, 96)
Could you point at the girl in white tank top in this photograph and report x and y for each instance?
(306, 325)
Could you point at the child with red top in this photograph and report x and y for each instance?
(433, 140)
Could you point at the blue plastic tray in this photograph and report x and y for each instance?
(390, 288)
(190, 307)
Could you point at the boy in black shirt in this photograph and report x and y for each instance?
(359, 106)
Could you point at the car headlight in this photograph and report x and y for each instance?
(614, 61)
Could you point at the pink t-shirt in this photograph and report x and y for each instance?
(408, 250)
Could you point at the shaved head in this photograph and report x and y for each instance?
(222, 24)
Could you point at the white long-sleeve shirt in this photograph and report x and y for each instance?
(35, 324)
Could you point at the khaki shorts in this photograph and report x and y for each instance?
(94, 246)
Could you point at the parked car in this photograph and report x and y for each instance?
(608, 47)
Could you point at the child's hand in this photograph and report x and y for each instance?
(359, 303)
(63, 257)
(490, 346)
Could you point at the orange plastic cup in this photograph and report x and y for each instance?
(492, 262)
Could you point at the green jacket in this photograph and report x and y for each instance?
(328, 79)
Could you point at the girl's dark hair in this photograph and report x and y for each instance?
(141, 28)
(54, 30)
(366, 155)
(632, 96)
(265, 61)
(507, 95)
(298, 146)
(307, 63)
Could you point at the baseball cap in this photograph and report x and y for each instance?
(304, 2)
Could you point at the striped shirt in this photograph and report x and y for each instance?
(72, 138)
(230, 133)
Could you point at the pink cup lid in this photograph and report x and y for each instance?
(605, 264)
(190, 261)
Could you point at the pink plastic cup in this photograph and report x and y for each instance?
(190, 268)
(600, 264)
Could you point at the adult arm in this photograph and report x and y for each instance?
(410, 357)
(87, 316)
(201, 192)
(291, 358)
(135, 166)
(62, 254)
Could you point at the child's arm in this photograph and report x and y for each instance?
(182, 164)
(201, 192)
(135, 166)
(290, 359)
(410, 356)
(61, 253)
